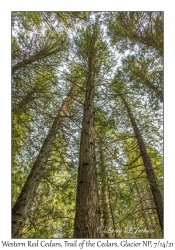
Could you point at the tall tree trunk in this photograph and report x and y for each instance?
(23, 204)
(105, 198)
(157, 195)
(87, 216)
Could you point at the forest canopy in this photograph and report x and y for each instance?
(87, 124)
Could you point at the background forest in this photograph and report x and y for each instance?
(87, 124)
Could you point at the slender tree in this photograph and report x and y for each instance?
(26, 197)
(154, 186)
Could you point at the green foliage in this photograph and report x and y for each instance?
(140, 29)
(50, 52)
(27, 20)
(15, 48)
(70, 18)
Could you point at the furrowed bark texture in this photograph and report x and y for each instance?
(154, 186)
(23, 204)
(87, 216)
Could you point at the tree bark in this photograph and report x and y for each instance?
(87, 216)
(156, 193)
(23, 204)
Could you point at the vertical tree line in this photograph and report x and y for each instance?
(87, 217)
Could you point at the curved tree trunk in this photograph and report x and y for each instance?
(23, 204)
(156, 193)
